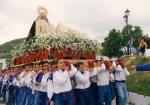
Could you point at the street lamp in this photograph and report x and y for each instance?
(127, 12)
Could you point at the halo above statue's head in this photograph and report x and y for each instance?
(42, 11)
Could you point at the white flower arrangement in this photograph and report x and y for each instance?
(78, 44)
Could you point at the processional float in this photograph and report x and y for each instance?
(47, 41)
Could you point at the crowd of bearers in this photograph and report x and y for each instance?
(60, 82)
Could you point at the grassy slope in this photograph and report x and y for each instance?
(8, 46)
(139, 82)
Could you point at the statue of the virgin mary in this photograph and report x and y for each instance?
(41, 25)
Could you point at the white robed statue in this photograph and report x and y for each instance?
(41, 26)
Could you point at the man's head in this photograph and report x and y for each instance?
(98, 62)
(15, 69)
(41, 65)
(36, 67)
(30, 66)
(23, 68)
(54, 64)
(80, 66)
(61, 64)
(45, 65)
(27, 66)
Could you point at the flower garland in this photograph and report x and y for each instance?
(58, 45)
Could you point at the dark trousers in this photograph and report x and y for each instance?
(94, 89)
(19, 96)
(76, 97)
(11, 96)
(142, 50)
(1, 87)
(30, 97)
(85, 96)
(40, 98)
(23, 94)
(113, 90)
(7, 94)
(3, 93)
(16, 93)
(64, 98)
(104, 94)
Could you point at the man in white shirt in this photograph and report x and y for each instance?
(94, 87)
(10, 86)
(28, 83)
(50, 88)
(62, 84)
(23, 89)
(16, 81)
(5, 86)
(40, 81)
(1, 84)
(82, 80)
(112, 80)
(120, 78)
(15, 84)
(104, 93)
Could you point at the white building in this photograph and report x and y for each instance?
(3, 62)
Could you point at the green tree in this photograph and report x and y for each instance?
(131, 35)
(112, 44)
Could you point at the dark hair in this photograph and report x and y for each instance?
(45, 62)
(41, 63)
(54, 62)
(23, 66)
(78, 64)
(3, 70)
(31, 64)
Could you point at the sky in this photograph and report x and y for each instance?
(93, 17)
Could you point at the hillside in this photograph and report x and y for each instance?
(8, 46)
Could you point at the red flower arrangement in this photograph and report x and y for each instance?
(32, 56)
(90, 55)
(17, 61)
(22, 59)
(68, 52)
(76, 55)
(53, 50)
(59, 55)
(44, 54)
(38, 55)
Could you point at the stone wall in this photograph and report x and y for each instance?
(137, 99)
(147, 53)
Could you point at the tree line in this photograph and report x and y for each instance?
(118, 42)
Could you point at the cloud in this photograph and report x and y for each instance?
(94, 17)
